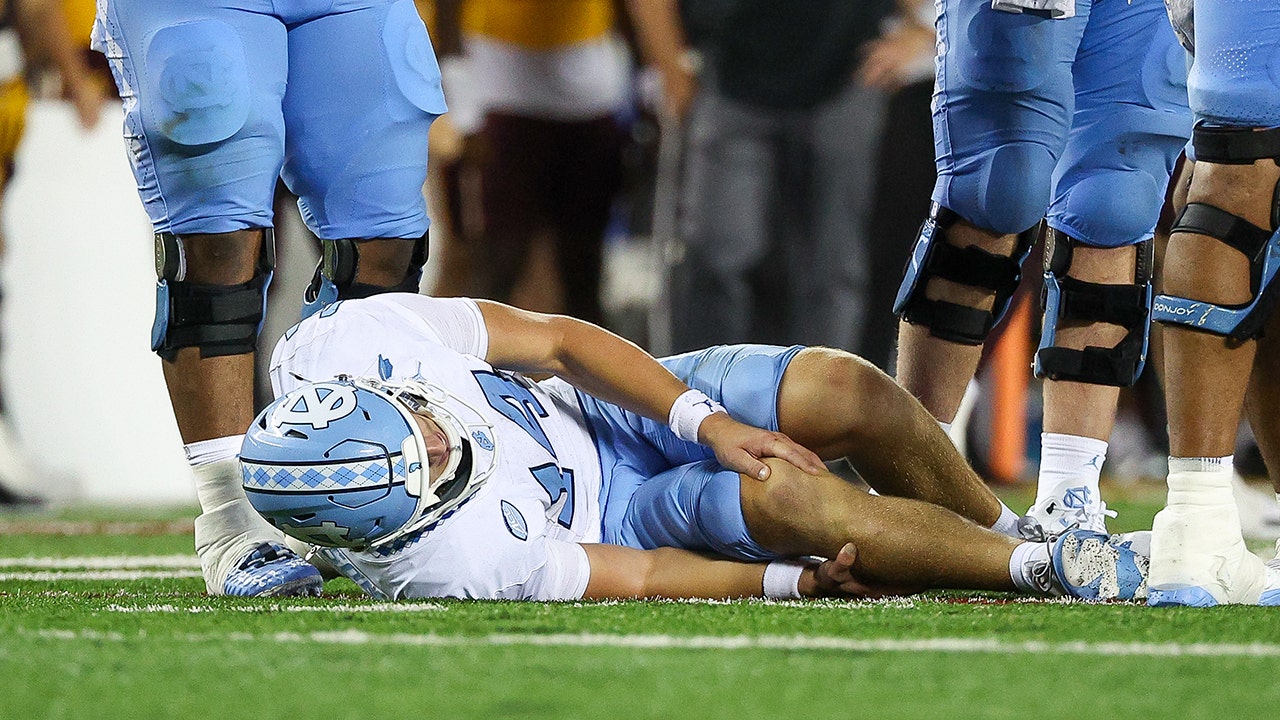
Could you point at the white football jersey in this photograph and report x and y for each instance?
(517, 537)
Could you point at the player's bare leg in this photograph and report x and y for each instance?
(841, 406)
(207, 353)
(1262, 400)
(1079, 416)
(1196, 543)
(938, 371)
(914, 545)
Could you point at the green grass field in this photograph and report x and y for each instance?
(102, 615)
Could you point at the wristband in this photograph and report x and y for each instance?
(688, 412)
(782, 579)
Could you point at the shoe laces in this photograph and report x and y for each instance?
(264, 554)
(1071, 518)
(1042, 575)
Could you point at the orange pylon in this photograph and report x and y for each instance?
(1011, 375)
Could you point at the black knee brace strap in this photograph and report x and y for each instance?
(1231, 146)
(934, 257)
(218, 319)
(1262, 248)
(335, 276)
(1235, 145)
(1067, 298)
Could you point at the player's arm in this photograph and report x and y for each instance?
(615, 370)
(661, 36)
(45, 36)
(622, 572)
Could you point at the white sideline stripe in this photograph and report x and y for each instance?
(59, 575)
(119, 562)
(343, 608)
(704, 642)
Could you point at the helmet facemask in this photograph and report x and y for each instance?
(464, 471)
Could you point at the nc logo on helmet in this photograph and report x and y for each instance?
(316, 405)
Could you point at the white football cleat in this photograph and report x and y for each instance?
(1271, 589)
(1075, 507)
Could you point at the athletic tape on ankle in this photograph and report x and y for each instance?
(688, 412)
(205, 452)
(782, 579)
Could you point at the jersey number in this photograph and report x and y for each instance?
(557, 483)
(518, 405)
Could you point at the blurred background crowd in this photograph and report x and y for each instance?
(685, 172)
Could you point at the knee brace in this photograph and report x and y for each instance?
(1231, 146)
(1067, 298)
(218, 319)
(335, 277)
(933, 257)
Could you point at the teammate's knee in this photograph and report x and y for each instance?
(212, 298)
(351, 269)
(982, 281)
(1113, 208)
(1231, 162)
(1007, 188)
(1121, 297)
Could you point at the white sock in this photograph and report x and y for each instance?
(946, 427)
(1069, 461)
(1025, 558)
(1007, 523)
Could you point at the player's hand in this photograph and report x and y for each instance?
(87, 99)
(836, 578)
(890, 61)
(739, 447)
(679, 86)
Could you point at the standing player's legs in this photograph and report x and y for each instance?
(1001, 115)
(357, 144)
(1218, 291)
(1261, 403)
(515, 161)
(201, 83)
(830, 268)
(1130, 123)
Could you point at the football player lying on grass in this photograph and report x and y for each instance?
(425, 463)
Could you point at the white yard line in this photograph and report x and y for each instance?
(61, 575)
(337, 608)
(701, 642)
(105, 567)
(102, 562)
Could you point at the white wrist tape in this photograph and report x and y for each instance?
(782, 579)
(688, 412)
